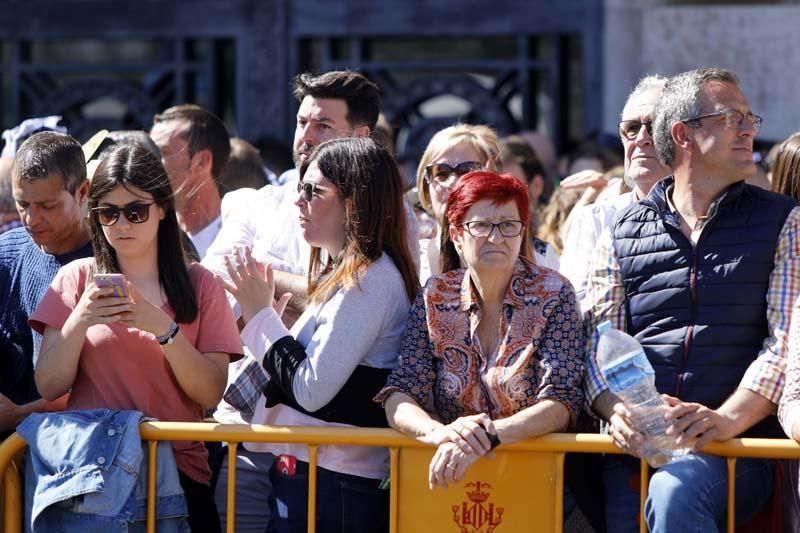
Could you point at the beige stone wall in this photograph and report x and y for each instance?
(761, 43)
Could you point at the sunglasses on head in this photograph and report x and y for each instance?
(308, 190)
(629, 129)
(137, 213)
(441, 172)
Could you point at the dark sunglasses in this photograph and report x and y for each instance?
(441, 172)
(308, 190)
(629, 129)
(135, 213)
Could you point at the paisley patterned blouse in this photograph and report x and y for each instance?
(540, 353)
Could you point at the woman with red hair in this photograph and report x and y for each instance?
(493, 352)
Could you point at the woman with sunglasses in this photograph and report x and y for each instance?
(164, 348)
(493, 351)
(451, 153)
(337, 356)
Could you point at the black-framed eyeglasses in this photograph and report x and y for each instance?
(440, 173)
(733, 119)
(484, 228)
(629, 129)
(137, 213)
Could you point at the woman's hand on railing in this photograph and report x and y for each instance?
(469, 433)
(449, 464)
(252, 283)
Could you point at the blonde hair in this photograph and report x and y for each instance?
(482, 139)
(555, 215)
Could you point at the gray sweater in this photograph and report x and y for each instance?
(362, 325)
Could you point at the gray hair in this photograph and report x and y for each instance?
(648, 83)
(679, 101)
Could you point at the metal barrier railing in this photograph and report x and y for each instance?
(542, 456)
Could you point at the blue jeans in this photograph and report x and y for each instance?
(689, 495)
(344, 502)
(621, 481)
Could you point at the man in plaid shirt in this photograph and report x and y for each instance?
(703, 272)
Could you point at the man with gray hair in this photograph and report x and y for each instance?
(702, 273)
(642, 171)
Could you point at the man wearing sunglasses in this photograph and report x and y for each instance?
(703, 273)
(50, 191)
(194, 148)
(642, 171)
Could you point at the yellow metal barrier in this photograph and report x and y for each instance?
(522, 486)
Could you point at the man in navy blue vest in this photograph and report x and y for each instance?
(703, 272)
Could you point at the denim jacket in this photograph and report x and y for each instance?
(85, 470)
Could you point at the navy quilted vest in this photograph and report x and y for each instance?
(700, 312)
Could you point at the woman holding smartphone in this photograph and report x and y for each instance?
(162, 350)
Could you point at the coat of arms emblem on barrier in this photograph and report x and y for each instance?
(477, 515)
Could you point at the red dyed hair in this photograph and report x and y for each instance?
(472, 188)
(486, 185)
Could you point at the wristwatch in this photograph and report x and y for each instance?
(169, 336)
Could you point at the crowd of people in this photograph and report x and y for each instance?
(172, 273)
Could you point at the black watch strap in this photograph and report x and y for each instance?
(169, 336)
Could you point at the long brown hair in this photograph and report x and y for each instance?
(786, 169)
(555, 216)
(131, 165)
(371, 190)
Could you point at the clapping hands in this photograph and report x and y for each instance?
(252, 284)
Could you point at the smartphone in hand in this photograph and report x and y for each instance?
(113, 280)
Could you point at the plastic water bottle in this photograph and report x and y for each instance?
(630, 376)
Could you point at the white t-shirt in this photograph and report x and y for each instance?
(203, 238)
(583, 234)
